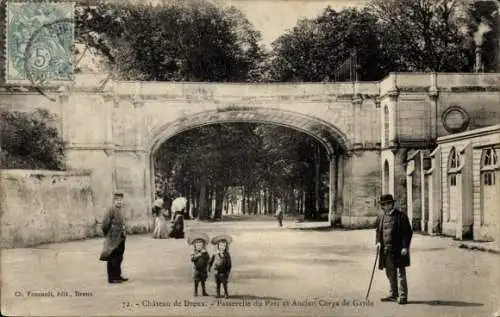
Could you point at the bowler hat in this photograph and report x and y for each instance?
(117, 194)
(222, 237)
(387, 198)
(197, 236)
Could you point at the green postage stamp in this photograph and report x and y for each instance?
(39, 42)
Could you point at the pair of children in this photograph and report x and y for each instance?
(203, 262)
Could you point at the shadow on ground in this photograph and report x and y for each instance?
(244, 275)
(445, 303)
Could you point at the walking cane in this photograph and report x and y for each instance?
(373, 272)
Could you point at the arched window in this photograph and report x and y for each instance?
(454, 161)
(386, 125)
(488, 165)
(453, 164)
(489, 157)
(386, 173)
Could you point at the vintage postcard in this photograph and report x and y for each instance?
(249, 158)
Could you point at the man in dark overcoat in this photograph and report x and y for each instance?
(393, 238)
(113, 227)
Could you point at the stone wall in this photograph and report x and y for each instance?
(112, 128)
(45, 206)
(362, 186)
(400, 157)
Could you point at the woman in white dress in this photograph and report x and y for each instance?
(160, 230)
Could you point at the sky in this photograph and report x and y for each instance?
(273, 17)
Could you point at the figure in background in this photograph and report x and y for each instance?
(160, 220)
(221, 262)
(178, 208)
(200, 258)
(279, 214)
(113, 227)
(393, 238)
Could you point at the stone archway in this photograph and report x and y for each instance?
(333, 140)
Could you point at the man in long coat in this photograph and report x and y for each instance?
(113, 227)
(393, 238)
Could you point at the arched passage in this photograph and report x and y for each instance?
(330, 136)
(334, 141)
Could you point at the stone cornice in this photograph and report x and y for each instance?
(366, 146)
(415, 144)
(470, 134)
(393, 86)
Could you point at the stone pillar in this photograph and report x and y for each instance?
(332, 195)
(110, 103)
(393, 98)
(435, 194)
(130, 171)
(429, 179)
(339, 198)
(424, 200)
(139, 121)
(399, 171)
(414, 189)
(432, 194)
(433, 98)
(361, 188)
(356, 115)
(410, 169)
(148, 191)
(466, 216)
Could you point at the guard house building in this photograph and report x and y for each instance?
(460, 180)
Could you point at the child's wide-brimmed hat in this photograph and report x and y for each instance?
(222, 237)
(198, 236)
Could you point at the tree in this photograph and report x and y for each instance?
(425, 35)
(28, 141)
(172, 42)
(314, 48)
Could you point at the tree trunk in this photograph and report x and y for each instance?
(243, 208)
(249, 203)
(190, 202)
(254, 203)
(219, 199)
(266, 193)
(293, 201)
(269, 201)
(203, 208)
(210, 201)
(263, 201)
(304, 195)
